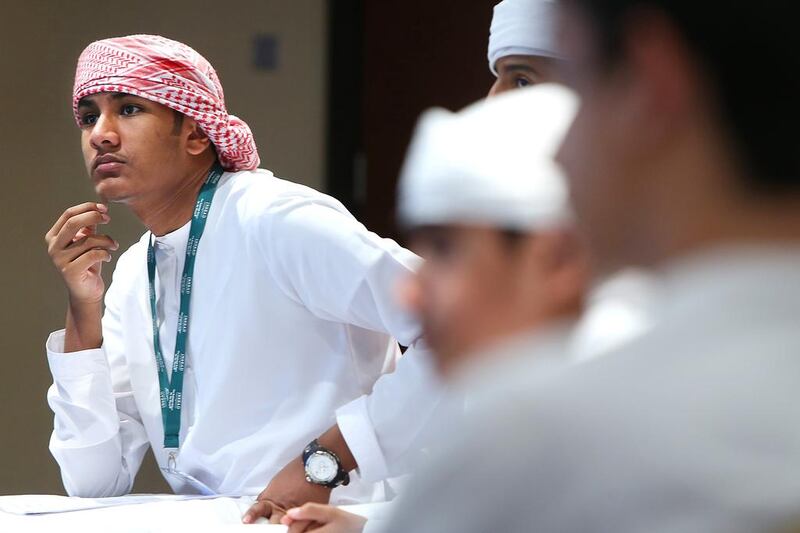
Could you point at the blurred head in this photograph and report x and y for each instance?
(148, 107)
(485, 205)
(481, 284)
(675, 147)
(522, 50)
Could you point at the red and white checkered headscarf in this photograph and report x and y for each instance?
(171, 74)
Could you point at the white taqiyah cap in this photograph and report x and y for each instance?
(522, 27)
(490, 164)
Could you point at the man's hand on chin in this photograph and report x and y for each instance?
(288, 489)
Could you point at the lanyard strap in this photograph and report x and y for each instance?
(171, 390)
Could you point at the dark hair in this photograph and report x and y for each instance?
(513, 237)
(751, 54)
(177, 122)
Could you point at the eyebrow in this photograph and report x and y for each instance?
(88, 102)
(518, 67)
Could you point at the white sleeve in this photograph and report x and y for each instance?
(375, 525)
(385, 430)
(377, 514)
(324, 258)
(98, 438)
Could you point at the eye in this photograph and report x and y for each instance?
(441, 247)
(88, 119)
(130, 109)
(522, 82)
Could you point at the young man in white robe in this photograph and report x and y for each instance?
(254, 317)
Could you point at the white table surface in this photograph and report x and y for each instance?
(198, 516)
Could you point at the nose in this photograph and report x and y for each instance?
(105, 135)
(410, 294)
(562, 155)
(497, 88)
(494, 89)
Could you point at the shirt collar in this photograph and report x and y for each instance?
(174, 239)
(745, 272)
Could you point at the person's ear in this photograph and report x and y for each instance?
(197, 141)
(563, 264)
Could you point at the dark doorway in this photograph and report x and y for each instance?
(389, 62)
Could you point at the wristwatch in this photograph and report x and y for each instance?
(323, 467)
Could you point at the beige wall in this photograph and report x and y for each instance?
(42, 173)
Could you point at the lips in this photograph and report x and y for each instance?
(107, 165)
(105, 159)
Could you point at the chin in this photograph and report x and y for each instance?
(111, 191)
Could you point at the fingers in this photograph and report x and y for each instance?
(78, 252)
(277, 514)
(322, 519)
(264, 509)
(300, 526)
(69, 230)
(78, 248)
(260, 509)
(84, 232)
(297, 522)
(86, 261)
(312, 512)
(71, 212)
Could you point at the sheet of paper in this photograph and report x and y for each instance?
(167, 514)
(31, 504)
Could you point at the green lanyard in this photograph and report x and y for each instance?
(171, 391)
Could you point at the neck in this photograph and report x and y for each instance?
(174, 208)
(773, 222)
(696, 201)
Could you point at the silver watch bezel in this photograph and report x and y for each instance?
(332, 458)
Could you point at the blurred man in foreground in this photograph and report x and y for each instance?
(678, 163)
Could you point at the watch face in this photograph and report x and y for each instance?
(321, 467)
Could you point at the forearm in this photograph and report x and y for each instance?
(334, 441)
(83, 329)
